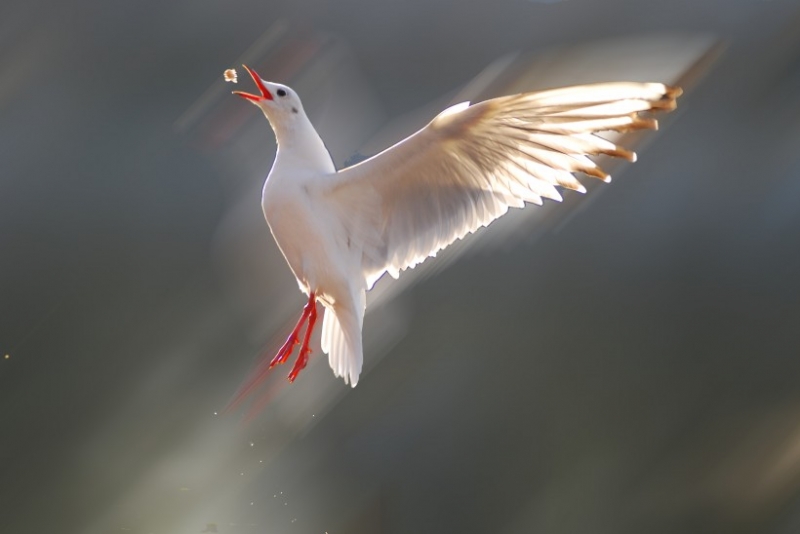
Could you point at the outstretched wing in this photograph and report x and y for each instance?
(471, 163)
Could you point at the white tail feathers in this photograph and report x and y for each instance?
(341, 341)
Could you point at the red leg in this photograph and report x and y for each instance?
(302, 359)
(261, 372)
(294, 337)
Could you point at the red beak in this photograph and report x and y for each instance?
(265, 94)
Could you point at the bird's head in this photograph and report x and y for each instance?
(278, 102)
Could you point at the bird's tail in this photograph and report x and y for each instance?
(341, 340)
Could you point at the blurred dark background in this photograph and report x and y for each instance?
(624, 362)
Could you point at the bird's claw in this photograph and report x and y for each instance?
(284, 352)
(300, 364)
(310, 315)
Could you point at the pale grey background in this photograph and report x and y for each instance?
(636, 371)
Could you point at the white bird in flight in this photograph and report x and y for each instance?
(340, 231)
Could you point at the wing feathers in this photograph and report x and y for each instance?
(582, 95)
(471, 163)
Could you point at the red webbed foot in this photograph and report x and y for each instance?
(305, 350)
(258, 376)
(294, 338)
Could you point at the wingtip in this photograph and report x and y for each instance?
(673, 91)
(643, 123)
(620, 152)
(667, 102)
(595, 172)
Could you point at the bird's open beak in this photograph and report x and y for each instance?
(265, 94)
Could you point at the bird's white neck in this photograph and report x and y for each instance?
(300, 146)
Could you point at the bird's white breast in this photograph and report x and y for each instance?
(304, 229)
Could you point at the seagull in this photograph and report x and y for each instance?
(342, 230)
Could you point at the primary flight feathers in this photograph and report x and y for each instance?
(469, 165)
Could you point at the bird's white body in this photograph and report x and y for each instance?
(313, 240)
(342, 230)
(296, 220)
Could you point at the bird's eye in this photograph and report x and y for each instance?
(281, 92)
